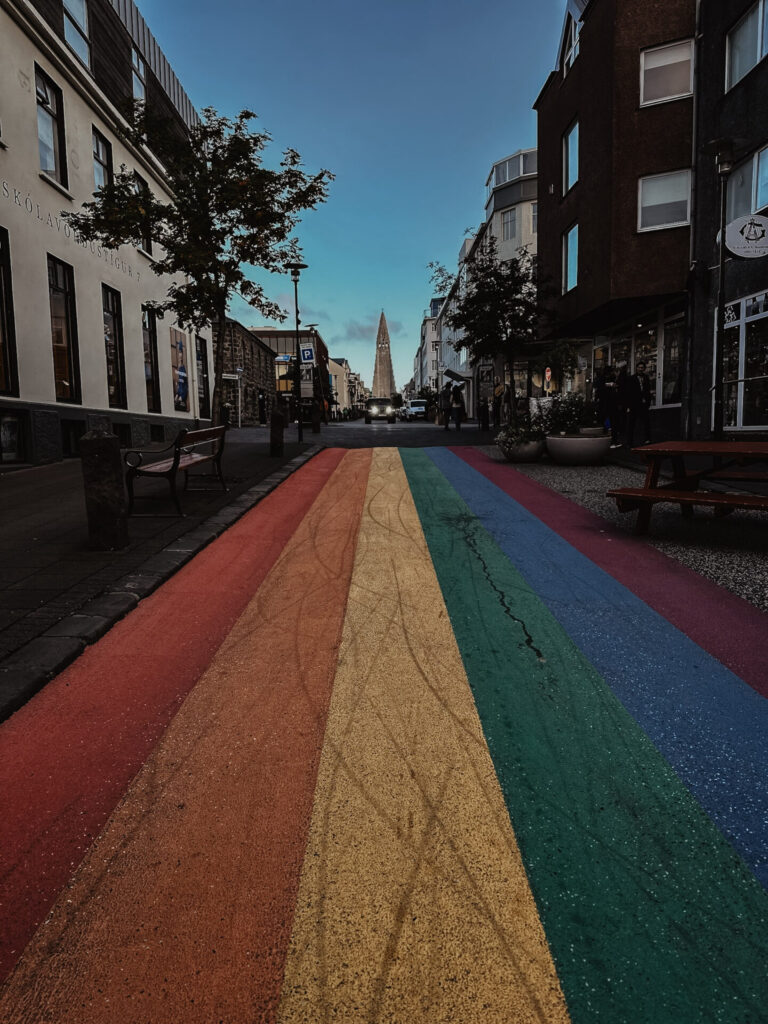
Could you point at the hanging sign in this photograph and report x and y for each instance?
(748, 236)
(308, 355)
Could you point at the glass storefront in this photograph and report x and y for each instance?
(745, 358)
(656, 340)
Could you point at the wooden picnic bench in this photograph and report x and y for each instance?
(191, 448)
(725, 461)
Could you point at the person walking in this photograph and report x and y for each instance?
(444, 404)
(638, 408)
(458, 409)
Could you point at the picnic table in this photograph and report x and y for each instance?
(730, 462)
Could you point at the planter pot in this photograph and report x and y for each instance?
(591, 431)
(578, 450)
(526, 451)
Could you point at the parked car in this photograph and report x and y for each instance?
(379, 409)
(416, 409)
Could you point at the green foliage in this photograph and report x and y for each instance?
(571, 411)
(530, 426)
(227, 212)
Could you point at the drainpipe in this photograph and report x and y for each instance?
(692, 275)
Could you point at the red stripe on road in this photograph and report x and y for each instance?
(67, 757)
(727, 627)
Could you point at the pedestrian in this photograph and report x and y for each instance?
(458, 409)
(618, 400)
(444, 403)
(483, 416)
(638, 406)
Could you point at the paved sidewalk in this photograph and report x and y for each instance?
(57, 596)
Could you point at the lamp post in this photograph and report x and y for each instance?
(724, 162)
(296, 269)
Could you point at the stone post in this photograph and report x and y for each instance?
(104, 490)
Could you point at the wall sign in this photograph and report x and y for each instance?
(748, 236)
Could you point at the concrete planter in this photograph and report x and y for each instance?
(526, 451)
(578, 449)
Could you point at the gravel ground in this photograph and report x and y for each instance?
(732, 551)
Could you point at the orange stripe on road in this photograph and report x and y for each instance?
(182, 910)
(414, 905)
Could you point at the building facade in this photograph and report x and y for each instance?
(314, 379)
(80, 345)
(249, 383)
(615, 187)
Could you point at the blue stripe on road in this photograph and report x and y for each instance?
(709, 724)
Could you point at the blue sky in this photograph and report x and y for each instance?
(408, 102)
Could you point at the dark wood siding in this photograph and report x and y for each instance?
(53, 12)
(111, 53)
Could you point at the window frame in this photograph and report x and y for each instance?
(55, 112)
(509, 215)
(754, 160)
(7, 320)
(662, 227)
(574, 127)
(534, 218)
(761, 51)
(566, 249)
(107, 165)
(81, 31)
(138, 73)
(149, 347)
(571, 45)
(675, 96)
(203, 382)
(112, 295)
(68, 291)
(142, 188)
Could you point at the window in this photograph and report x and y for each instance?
(666, 73)
(508, 225)
(571, 157)
(179, 369)
(748, 186)
(102, 160)
(149, 337)
(142, 190)
(139, 76)
(665, 201)
(8, 381)
(113, 345)
(571, 51)
(747, 43)
(534, 218)
(746, 363)
(203, 390)
(50, 128)
(76, 29)
(61, 293)
(571, 258)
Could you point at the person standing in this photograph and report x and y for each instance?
(458, 410)
(444, 404)
(639, 404)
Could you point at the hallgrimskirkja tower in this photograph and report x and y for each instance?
(383, 377)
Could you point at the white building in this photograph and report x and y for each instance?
(78, 347)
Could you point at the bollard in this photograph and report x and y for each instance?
(276, 428)
(104, 490)
(316, 414)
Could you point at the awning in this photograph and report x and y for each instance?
(462, 378)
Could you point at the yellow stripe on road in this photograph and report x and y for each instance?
(413, 904)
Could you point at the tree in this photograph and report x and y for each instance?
(227, 211)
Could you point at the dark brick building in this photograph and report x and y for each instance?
(615, 137)
(732, 104)
(249, 376)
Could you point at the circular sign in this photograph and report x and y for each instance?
(748, 236)
(548, 374)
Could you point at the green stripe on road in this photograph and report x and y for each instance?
(650, 914)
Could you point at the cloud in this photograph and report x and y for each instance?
(365, 330)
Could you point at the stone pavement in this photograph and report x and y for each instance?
(57, 596)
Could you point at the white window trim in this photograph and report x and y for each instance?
(84, 34)
(571, 48)
(740, 325)
(665, 99)
(663, 227)
(760, 56)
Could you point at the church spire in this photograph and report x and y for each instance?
(383, 377)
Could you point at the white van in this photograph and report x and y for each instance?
(416, 409)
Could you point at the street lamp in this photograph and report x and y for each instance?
(724, 160)
(296, 269)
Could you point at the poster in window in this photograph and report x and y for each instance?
(179, 367)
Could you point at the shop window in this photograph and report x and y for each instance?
(8, 379)
(179, 370)
(666, 73)
(151, 378)
(203, 389)
(664, 201)
(61, 294)
(113, 347)
(745, 356)
(674, 337)
(50, 128)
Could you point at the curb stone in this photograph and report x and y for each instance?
(26, 671)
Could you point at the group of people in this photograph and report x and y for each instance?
(451, 405)
(624, 402)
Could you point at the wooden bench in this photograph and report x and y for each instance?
(191, 448)
(684, 488)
